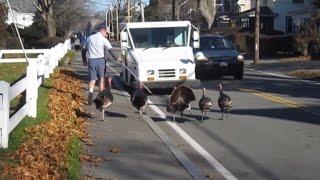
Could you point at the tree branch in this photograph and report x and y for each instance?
(38, 7)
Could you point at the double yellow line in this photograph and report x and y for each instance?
(280, 100)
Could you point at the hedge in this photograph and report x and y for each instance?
(270, 46)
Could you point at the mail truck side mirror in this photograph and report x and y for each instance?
(124, 39)
(196, 39)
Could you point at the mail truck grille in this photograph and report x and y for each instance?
(166, 73)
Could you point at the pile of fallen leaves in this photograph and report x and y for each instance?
(44, 153)
(306, 74)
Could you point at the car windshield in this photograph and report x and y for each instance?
(159, 37)
(215, 43)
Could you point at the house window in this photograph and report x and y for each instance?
(265, 2)
(219, 8)
(226, 5)
(289, 24)
(298, 1)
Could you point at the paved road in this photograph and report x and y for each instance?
(273, 131)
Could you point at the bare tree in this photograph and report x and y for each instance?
(302, 40)
(69, 14)
(159, 10)
(208, 10)
(23, 6)
(45, 7)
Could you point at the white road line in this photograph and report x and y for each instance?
(193, 170)
(283, 76)
(196, 146)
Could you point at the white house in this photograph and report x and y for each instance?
(228, 8)
(22, 20)
(290, 13)
(243, 5)
(279, 15)
(232, 6)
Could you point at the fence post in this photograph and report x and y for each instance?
(41, 68)
(52, 59)
(4, 113)
(46, 64)
(32, 89)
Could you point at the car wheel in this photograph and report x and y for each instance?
(238, 76)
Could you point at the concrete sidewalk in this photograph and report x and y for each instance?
(124, 146)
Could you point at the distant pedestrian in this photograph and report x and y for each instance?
(73, 39)
(95, 46)
(83, 38)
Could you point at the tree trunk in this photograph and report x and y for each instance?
(173, 6)
(51, 27)
(208, 10)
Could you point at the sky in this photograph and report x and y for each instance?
(100, 5)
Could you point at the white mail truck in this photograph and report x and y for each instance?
(159, 54)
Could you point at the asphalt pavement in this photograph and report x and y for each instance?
(129, 146)
(272, 132)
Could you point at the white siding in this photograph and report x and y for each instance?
(244, 5)
(22, 19)
(283, 8)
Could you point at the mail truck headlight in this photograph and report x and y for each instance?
(183, 71)
(150, 72)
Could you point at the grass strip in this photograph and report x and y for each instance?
(73, 159)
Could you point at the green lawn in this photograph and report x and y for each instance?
(12, 71)
(18, 134)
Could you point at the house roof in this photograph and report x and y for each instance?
(265, 11)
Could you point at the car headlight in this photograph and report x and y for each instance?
(150, 72)
(240, 57)
(200, 57)
(183, 71)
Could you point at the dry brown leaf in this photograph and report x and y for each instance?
(114, 150)
(43, 154)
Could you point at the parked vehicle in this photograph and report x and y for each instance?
(159, 54)
(217, 56)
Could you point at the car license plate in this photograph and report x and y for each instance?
(223, 64)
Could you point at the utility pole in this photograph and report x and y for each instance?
(257, 33)
(117, 19)
(128, 10)
(173, 9)
(111, 22)
(142, 11)
(107, 19)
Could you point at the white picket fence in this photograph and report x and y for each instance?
(37, 69)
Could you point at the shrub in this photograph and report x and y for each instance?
(226, 31)
(67, 58)
(10, 43)
(48, 42)
(269, 45)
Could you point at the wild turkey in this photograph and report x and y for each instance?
(180, 100)
(103, 100)
(224, 102)
(138, 98)
(205, 104)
